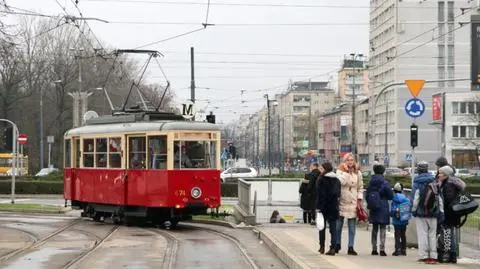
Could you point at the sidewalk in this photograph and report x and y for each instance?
(297, 246)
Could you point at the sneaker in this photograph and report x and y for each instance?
(431, 261)
(374, 252)
(382, 253)
(352, 252)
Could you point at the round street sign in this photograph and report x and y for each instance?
(22, 139)
(414, 108)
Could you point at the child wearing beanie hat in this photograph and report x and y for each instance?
(400, 213)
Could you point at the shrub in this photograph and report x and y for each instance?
(32, 187)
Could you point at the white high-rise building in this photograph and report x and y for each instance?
(415, 39)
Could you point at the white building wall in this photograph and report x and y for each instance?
(399, 30)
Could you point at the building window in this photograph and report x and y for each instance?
(454, 131)
(454, 108)
(478, 131)
(463, 108)
(471, 131)
(463, 131)
(464, 158)
(471, 108)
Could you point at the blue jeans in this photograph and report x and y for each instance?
(352, 225)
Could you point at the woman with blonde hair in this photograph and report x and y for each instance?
(351, 195)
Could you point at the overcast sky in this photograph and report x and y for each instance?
(255, 45)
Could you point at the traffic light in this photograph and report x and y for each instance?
(413, 135)
(8, 136)
(211, 118)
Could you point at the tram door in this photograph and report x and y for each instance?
(135, 187)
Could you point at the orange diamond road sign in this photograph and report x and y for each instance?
(415, 86)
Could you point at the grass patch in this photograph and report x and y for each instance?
(33, 208)
(223, 211)
(474, 220)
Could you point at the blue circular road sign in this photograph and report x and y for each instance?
(414, 108)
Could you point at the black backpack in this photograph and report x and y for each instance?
(430, 199)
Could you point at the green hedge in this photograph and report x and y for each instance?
(32, 187)
(473, 183)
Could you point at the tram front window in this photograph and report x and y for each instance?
(194, 154)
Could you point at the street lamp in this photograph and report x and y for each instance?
(274, 103)
(42, 136)
(355, 57)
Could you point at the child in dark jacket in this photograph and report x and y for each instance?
(401, 214)
(379, 192)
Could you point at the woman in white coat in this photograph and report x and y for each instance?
(351, 181)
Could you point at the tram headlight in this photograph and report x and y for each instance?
(196, 192)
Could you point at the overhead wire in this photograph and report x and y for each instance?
(228, 4)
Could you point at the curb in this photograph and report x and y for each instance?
(213, 222)
(33, 211)
(284, 255)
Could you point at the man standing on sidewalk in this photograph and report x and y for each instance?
(426, 207)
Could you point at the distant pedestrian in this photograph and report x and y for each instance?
(426, 208)
(450, 186)
(441, 162)
(401, 214)
(351, 196)
(328, 195)
(307, 191)
(379, 192)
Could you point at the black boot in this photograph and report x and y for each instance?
(331, 251)
(305, 215)
(322, 249)
(337, 248)
(351, 251)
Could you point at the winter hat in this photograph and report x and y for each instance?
(398, 187)
(422, 167)
(441, 161)
(447, 170)
(379, 169)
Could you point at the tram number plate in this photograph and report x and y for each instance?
(180, 193)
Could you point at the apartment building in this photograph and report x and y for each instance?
(297, 111)
(414, 40)
(352, 75)
(457, 115)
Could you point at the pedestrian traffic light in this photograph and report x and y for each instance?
(413, 135)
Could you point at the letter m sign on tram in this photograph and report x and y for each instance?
(22, 139)
(188, 110)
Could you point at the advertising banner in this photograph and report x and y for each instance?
(437, 107)
(475, 52)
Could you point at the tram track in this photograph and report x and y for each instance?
(36, 240)
(98, 242)
(176, 236)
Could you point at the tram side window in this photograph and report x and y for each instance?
(157, 152)
(88, 152)
(68, 156)
(137, 152)
(115, 152)
(101, 152)
(78, 153)
(194, 154)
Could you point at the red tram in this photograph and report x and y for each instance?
(149, 166)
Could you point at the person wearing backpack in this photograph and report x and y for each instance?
(379, 192)
(450, 186)
(401, 214)
(426, 210)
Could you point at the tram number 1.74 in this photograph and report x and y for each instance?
(180, 193)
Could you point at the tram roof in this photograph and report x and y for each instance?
(145, 126)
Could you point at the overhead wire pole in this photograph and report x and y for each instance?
(192, 72)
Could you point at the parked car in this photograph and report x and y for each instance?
(45, 171)
(393, 171)
(462, 172)
(238, 172)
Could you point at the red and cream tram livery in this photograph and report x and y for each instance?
(147, 165)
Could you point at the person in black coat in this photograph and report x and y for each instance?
(328, 195)
(450, 186)
(308, 191)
